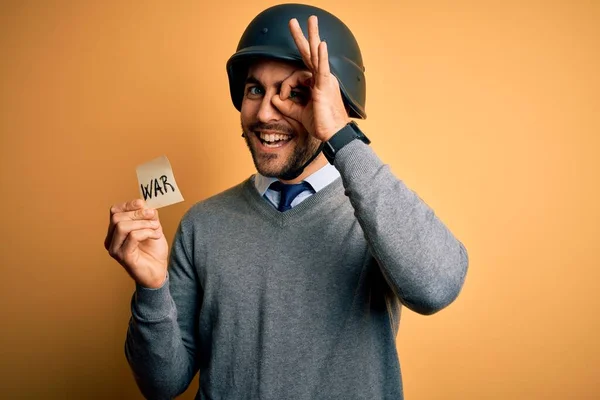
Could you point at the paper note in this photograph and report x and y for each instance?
(157, 183)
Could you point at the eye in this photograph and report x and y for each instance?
(299, 96)
(254, 91)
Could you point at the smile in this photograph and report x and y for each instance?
(273, 140)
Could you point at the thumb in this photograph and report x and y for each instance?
(287, 107)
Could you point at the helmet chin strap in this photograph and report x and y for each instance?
(296, 173)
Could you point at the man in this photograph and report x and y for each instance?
(288, 285)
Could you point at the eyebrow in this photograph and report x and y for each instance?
(254, 80)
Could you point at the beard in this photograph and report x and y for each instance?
(267, 165)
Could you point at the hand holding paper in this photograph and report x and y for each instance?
(135, 237)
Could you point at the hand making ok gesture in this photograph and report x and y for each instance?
(324, 113)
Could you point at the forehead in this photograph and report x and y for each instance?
(268, 71)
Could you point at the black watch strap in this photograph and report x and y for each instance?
(341, 138)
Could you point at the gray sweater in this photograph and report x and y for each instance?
(303, 304)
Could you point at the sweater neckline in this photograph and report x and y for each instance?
(306, 210)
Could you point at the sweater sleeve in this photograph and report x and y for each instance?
(161, 341)
(420, 258)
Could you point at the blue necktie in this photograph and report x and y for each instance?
(289, 193)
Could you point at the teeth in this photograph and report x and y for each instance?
(273, 137)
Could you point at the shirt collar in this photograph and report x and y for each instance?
(318, 180)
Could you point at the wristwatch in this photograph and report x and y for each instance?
(341, 138)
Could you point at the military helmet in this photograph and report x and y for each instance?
(268, 36)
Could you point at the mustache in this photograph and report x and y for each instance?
(260, 126)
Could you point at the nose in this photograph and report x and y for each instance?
(267, 111)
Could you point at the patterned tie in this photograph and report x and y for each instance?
(289, 193)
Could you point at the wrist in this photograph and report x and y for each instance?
(341, 138)
(152, 304)
(154, 282)
(326, 136)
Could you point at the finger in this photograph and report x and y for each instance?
(141, 214)
(298, 78)
(131, 255)
(124, 228)
(133, 240)
(109, 235)
(128, 206)
(119, 208)
(301, 42)
(314, 40)
(288, 108)
(323, 72)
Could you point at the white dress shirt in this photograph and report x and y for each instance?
(318, 180)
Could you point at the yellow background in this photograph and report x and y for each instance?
(488, 109)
